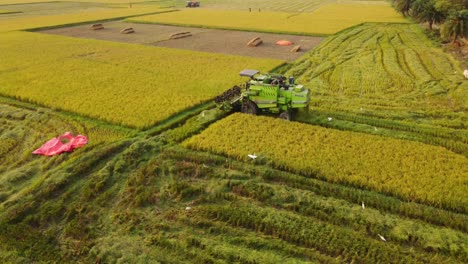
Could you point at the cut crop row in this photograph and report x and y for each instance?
(352, 195)
(392, 63)
(329, 239)
(360, 218)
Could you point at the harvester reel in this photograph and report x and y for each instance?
(249, 107)
(228, 95)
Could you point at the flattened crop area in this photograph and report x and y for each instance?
(207, 40)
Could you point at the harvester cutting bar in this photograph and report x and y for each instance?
(232, 95)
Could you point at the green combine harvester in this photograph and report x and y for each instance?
(265, 93)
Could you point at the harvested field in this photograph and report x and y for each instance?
(207, 40)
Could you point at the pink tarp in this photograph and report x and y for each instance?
(284, 43)
(63, 143)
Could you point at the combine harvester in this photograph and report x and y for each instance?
(265, 93)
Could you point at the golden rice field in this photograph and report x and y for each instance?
(32, 22)
(411, 170)
(14, 2)
(291, 6)
(128, 84)
(327, 19)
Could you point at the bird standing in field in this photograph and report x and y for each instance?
(381, 237)
(252, 156)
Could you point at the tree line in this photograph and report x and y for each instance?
(450, 15)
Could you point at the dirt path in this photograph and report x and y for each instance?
(208, 40)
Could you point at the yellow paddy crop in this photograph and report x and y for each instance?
(328, 19)
(15, 2)
(129, 84)
(413, 171)
(32, 22)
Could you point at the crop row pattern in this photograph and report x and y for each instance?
(411, 170)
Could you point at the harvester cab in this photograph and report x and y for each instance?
(266, 93)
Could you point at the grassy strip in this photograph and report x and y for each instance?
(179, 118)
(193, 125)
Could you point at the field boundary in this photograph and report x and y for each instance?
(10, 12)
(259, 30)
(92, 21)
(45, 2)
(178, 118)
(235, 29)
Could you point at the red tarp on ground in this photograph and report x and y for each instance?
(284, 43)
(63, 143)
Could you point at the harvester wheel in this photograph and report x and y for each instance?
(249, 107)
(286, 115)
